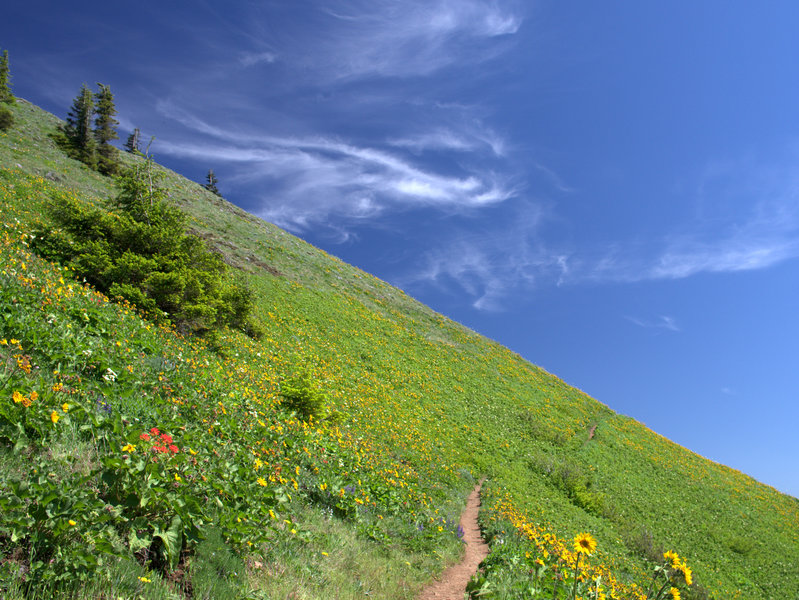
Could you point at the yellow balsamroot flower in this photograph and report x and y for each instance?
(675, 593)
(672, 557)
(54, 416)
(584, 543)
(261, 481)
(687, 573)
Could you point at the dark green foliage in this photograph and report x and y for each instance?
(301, 397)
(133, 142)
(5, 80)
(210, 183)
(142, 253)
(105, 130)
(6, 118)
(78, 136)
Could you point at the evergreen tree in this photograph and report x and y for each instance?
(132, 144)
(142, 251)
(210, 183)
(78, 133)
(5, 80)
(105, 130)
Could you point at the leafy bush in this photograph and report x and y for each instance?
(6, 119)
(142, 253)
(303, 398)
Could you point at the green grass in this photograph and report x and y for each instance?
(422, 407)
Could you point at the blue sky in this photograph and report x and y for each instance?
(610, 189)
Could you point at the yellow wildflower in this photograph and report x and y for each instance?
(71, 523)
(687, 573)
(675, 593)
(34, 395)
(54, 416)
(584, 543)
(65, 407)
(262, 482)
(17, 397)
(128, 448)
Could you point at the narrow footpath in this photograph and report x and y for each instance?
(452, 585)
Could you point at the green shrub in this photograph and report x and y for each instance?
(303, 398)
(142, 253)
(6, 119)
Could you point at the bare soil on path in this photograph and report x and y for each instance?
(452, 585)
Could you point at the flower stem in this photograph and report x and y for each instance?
(576, 571)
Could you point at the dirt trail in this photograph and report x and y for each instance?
(452, 585)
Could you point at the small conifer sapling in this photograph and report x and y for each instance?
(210, 183)
(5, 80)
(78, 132)
(105, 130)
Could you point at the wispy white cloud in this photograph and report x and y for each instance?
(442, 139)
(661, 322)
(416, 38)
(491, 267)
(687, 258)
(747, 218)
(554, 178)
(249, 59)
(315, 178)
(751, 222)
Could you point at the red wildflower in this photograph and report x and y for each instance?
(144, 437)
(174, 449)
(159, 448)
(167, 438)
(155, 431)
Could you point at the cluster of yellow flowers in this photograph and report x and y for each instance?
(26, 401)
(679, 566)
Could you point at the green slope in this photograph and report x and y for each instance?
(423, 407)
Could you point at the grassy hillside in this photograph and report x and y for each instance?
(255, 502)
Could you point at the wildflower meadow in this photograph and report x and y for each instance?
(333, 452)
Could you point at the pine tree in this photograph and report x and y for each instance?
(105, 130)
(78, 133)
(5, 80)
(132, 144)
(210, 183)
